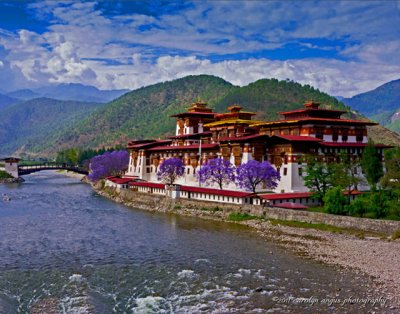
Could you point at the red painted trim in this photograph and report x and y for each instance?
(298, 138)
(188, 147)
(148, 184)
(216, 191)
(333, 144)
(282, 196)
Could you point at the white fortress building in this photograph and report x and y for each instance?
(202, 134)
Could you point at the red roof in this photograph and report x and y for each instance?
(311, 110)
(190, 147)
(298, 138)
(200, 114)
(119, 180)
(149, 144)
(215, 191)
(194, 135)
(303, 120)
(333, 144)
(283, 196)
(243, 138)
(148, 184)
(291, 205)
(352, 192)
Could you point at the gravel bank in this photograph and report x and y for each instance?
(374, 257)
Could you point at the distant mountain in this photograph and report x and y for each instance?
(24, 94)
(76, 92)
(383, 98)
(380, 104)
(27, 125)
(6, 101)
(43, 127)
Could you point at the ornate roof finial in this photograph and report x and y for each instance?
(311, 104)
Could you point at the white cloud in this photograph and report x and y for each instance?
(80, 41)
(335, 77)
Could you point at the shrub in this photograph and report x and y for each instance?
(379, 203)
(334, 201)
(358, 207)
(4, 175)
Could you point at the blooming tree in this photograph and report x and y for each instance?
(170, 170)
(108, 164)
(253, 173)
(217, 170)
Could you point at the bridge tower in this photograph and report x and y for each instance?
(11, 166)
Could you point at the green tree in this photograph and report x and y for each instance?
(371, 164)
(318, 177)
(359, 206)
(391, 179)
(335, 201)
(379, 203)
(345, 174)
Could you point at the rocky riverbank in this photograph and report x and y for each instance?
(374, 255)
(12, 180)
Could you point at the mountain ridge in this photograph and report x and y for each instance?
(380, 104)
(69, 91)
(144, 113)
(6, 100)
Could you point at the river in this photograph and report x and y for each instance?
(60, 240)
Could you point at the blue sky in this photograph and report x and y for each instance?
(340, 47)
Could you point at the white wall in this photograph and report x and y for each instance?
(11, 168)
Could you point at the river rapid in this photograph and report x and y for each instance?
(60, 240)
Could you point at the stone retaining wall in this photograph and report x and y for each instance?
(379, 225)
(162, 203)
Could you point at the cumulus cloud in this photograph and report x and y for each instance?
(230, 39)
(332, 76)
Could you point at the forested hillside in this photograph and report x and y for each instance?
(27, 127)
(145, 113)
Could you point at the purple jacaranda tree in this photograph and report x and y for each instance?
(254, 173)
(216, 171)
(108, 164)
(170, 170)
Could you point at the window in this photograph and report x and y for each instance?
(359, 135)
(300, 172)
(319, 133)
(284, 171)
(335, 134)
(345, 135)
